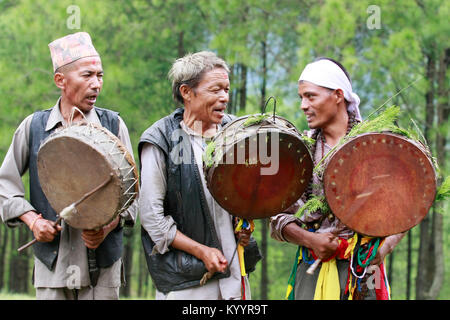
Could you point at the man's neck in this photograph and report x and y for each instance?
(65, 107)
(203, 128)
(336, 130)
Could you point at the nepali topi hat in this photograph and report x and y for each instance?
(70, 48)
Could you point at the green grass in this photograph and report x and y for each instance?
(22, 296)
(15, 296)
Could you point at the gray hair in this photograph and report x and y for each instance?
(189, 70)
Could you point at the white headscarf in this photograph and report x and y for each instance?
(326, 73)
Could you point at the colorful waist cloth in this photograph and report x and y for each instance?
(360, 251)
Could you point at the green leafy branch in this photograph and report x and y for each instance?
(443, 191)
(314, 204)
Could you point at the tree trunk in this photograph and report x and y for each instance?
(424, 276)
(233, 91)
(264, 74)
(243, 67)
(443, 112)
(409, 265)
(243, 88)
(390, 271)
(181, 51)
(141, 275)
(13, 278)
(4, 236)
(127, 260)
(22, 262)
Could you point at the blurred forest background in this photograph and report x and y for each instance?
(386, 45)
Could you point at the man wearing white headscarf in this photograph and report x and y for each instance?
(332, 109)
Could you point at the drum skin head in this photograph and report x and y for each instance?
(68, 168)
(241, 188)
(380, 184)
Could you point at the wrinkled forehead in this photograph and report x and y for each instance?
(214, 75)
(91, 63)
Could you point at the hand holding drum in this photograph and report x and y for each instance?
(85, 166)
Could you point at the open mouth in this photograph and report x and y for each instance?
(309, 117)
(219, 111)
(91, 99)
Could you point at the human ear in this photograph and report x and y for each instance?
(60, 80)
(185, 92)
(339, 95)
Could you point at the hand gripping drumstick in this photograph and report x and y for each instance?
(314, 266)
(209, 274)
(69, 209)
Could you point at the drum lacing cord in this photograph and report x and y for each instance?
(127, 191)
(132, 185)
(124, 154)
(125, 206)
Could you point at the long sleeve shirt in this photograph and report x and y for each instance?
(278, 222)
(71, 267)
(162, 228)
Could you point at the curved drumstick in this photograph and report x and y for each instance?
(69, 209)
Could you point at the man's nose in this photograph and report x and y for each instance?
(304, 104)
(224, 97)
(96, 83)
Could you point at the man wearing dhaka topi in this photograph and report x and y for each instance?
(61, 269)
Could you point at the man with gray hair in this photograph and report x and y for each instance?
(185, 233)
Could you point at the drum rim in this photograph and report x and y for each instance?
(295, 134)
(221, 133)
(251, 115)
(107, 162)
(124, 201)
(415, 143)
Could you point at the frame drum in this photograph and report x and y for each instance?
(75, 160)
(380, 184)
(257, 168)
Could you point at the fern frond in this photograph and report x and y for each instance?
(315, 203)
(443, 191)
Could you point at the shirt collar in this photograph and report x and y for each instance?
(191, 132)
(56, 118)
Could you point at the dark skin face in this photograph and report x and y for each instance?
(80, 82)
(325, 109)
(207, 102)
(319, 104)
